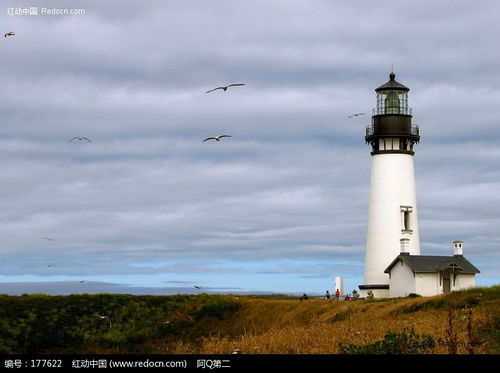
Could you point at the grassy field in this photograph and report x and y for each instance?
(462, 322)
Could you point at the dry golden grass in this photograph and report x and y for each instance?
(317, 326)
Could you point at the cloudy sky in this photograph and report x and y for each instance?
(282, 205)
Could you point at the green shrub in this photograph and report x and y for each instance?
(41, 324)
(406, 342)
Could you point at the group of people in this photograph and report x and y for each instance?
(338, 295)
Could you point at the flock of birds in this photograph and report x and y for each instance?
(216, 138)
(83, 138)
(223, 88)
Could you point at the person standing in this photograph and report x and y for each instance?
(337, 295)
(355, 295)
(327, 295)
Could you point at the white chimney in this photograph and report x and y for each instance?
(458, 249)
(405, 246)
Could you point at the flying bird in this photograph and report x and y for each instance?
(225, 87)
(9, 34)
(79, 138)
(355, 115)
(82, 282)
(49, 239)
(197, 287)
(216, 138)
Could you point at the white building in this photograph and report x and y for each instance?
(392, 211)
(430, 275)
(393, 264)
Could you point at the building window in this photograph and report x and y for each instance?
(406, 219)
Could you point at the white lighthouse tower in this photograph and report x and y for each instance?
(392, 215)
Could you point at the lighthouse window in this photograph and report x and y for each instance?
(406, 219)
(381, 144)
(388, 144)
(392, 103)
(403, 144)
(395, 144)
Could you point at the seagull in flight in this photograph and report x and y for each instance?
(49, 239)
(82, 282)
(355, 115)
(9, 34)
(216, 138)
(79, 138)
(225, 87)
(197, 287)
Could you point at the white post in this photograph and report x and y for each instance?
(339, 284)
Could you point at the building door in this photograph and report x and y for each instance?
(446, 282)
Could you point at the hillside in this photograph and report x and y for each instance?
(462, 322)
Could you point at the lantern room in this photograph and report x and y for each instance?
(391, 129)
(392, 98)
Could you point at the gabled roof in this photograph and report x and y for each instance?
(428, 263)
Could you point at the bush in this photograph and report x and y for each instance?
(43, 324)
(407, 342)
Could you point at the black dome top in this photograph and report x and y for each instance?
(392, 84)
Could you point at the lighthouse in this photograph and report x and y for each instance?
(392, 213)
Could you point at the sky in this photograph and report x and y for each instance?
(282, 205)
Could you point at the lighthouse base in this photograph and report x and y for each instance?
(378, 290)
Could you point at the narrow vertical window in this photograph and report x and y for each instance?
(406, 219)
(395, 144)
